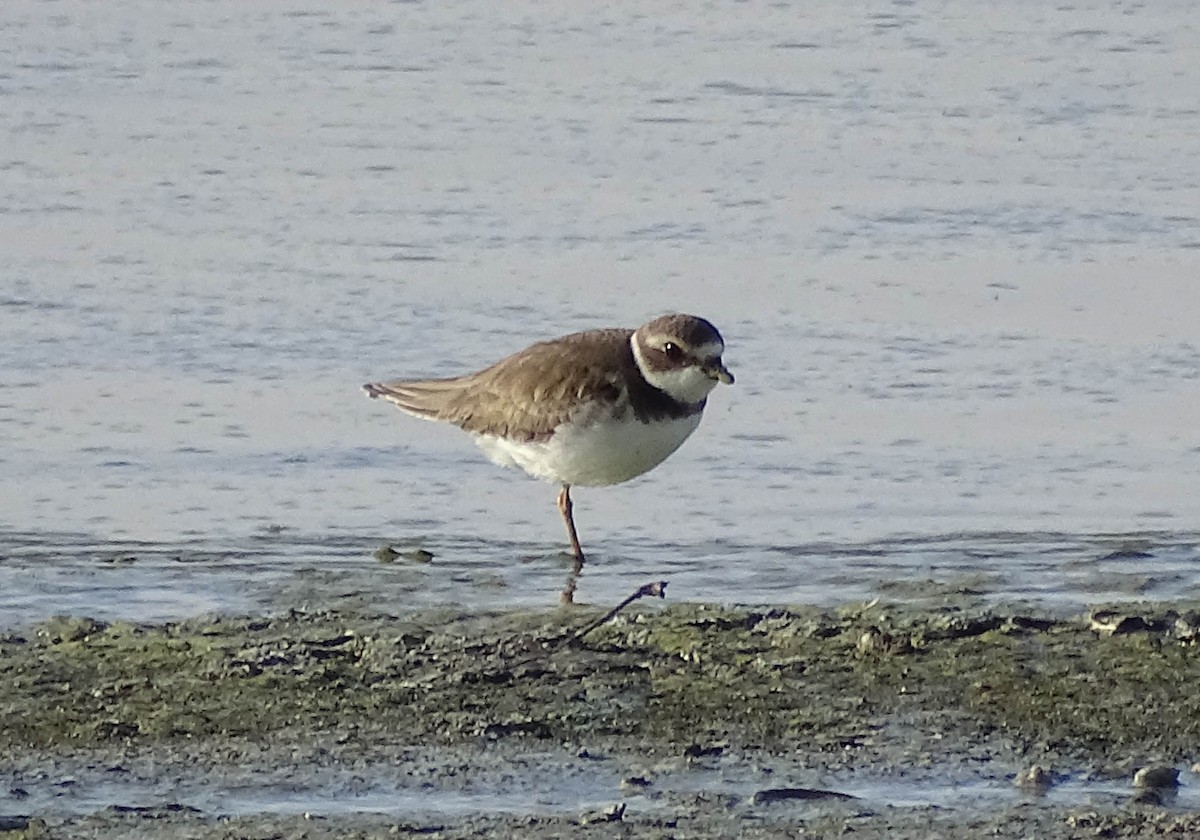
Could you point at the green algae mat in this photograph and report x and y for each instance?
(691, 720)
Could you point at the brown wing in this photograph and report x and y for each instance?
(527, 395)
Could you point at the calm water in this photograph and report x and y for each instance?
(954, 250)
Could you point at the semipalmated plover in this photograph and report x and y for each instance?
(591, 408)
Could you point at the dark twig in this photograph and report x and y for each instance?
(653, 589)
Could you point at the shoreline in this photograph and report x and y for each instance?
(684, 721)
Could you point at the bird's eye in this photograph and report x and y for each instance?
(674, 351)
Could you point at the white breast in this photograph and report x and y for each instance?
(605, 450)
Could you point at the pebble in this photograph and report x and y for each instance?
(1160, 776)
(1035, 777)
(634, 784)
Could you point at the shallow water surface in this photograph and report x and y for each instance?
(48, 574)
(424, 787)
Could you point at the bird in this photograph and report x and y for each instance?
(592, 408)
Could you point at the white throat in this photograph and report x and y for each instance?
(687, 385)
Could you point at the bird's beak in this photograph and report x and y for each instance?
(718, 372)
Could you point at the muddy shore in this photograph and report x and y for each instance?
(686, 720)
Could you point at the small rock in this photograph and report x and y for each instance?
(389, 554)
(1035, 778)
(1187, 628)
(1114, 623)
(1136, 550)
(635, 784)
(385, 554)
(695, 751)
(765, 797)
(119, 558)
(412, 828)
(613, 813)
(876, 641)
(1160, 776)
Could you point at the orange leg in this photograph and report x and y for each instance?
(566, 509)
(567, 596)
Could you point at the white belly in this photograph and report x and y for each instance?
(608, 451)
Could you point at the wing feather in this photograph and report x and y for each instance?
(527, 395)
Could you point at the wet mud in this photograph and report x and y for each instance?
(681, 721)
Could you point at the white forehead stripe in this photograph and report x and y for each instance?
(709, 349)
